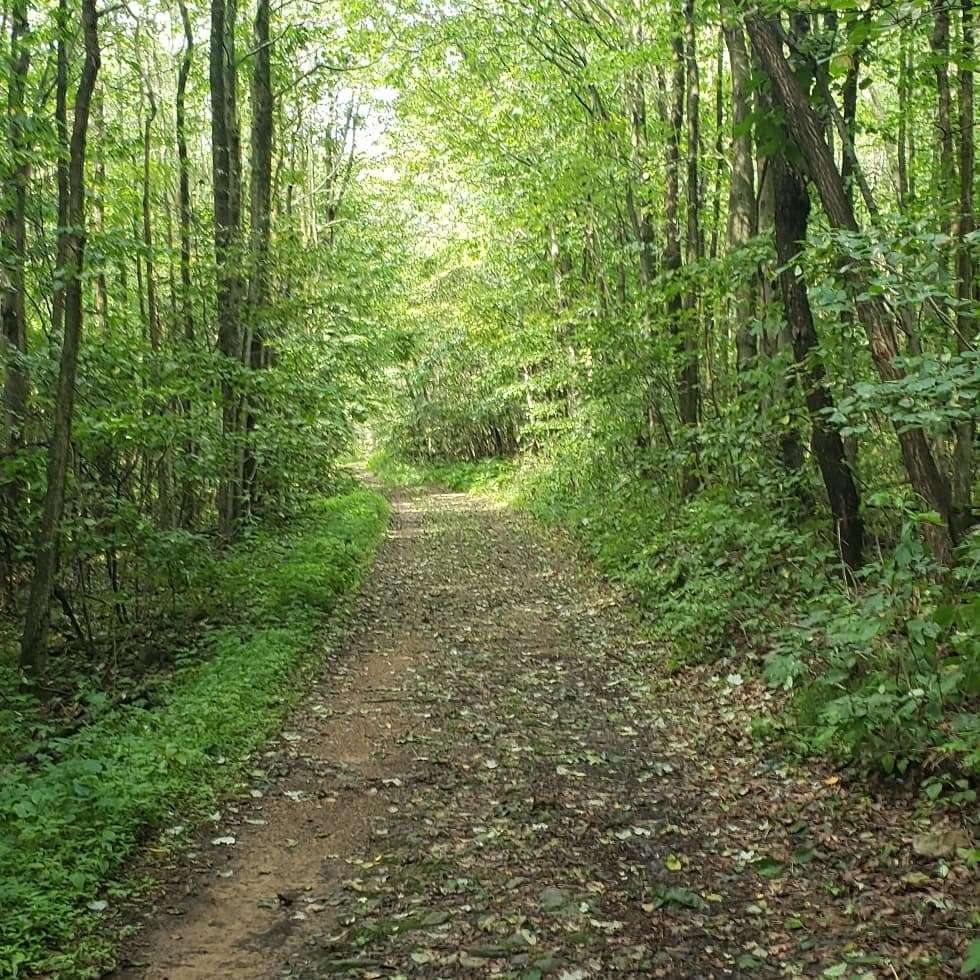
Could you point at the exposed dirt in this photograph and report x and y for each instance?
(230, 906)
(492, 778)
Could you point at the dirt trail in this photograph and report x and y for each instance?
(491, 778)
(314, 797)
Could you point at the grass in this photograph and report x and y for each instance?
(69, 821)
(488, 476)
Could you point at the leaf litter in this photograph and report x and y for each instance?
(546, 800)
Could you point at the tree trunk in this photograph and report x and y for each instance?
(806, 131)
(939, 44)
(61, 169)
(225, 151)
(689, 395)
(184, 176)
(792, 213)
(163, 464)
(902, 137)
(46, 554)
(98, 208)
(13, 243)
(962, 468)
(742, 217)
(260, 195)
(719, 166)
(188, 506)
(638, 203)
(678, 316)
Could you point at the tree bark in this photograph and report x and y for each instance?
(225, 149)
(184, 176)
(962, 464)
(13, 243)
(903, 126)
(163, 465)
(672, 240)
(260, 200)
(61, 169)
(939, 44)
(742, 216)
(791, 217)
(98, 207)
(188, 506)
(690, 379)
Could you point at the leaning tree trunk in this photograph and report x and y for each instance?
(806, 130)
(791, 215)
(46, 560)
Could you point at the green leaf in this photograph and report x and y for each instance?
(971, 962)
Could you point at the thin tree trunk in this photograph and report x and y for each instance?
(61, 169)
(36, 620)
(939, 44)
(227, 201)
(188, 506)
(184, 176)
(13, 243)
(163, 465)
(260, 195)
(962, 468)
(98, 208)
(903, 122)
(718, 148)
(742, 216)
(672, 245)
(791, 215)
(690, 387)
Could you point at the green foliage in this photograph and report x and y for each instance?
(70, 818)
(971, 962)
(889, 671)
(489, 476)
(577, 257)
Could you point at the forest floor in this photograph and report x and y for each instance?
(492, 777)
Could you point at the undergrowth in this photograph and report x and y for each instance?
(882, 671)
(70, 815)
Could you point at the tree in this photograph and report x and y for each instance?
(13, 243)
(71, 246)
(226, 176)
(808, 134)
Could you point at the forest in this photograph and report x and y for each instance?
(329, 328)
